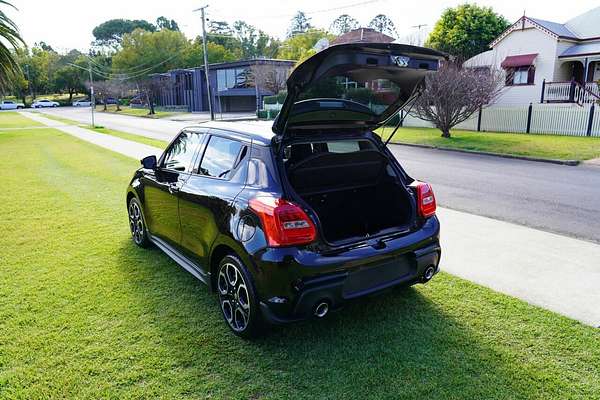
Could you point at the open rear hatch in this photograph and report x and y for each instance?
(331, 166)
(357, 85)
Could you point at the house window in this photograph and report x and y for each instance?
(520, 76)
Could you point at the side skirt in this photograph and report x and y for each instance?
(180, 259)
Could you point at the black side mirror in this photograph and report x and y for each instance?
(149, 162)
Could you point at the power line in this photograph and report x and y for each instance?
(325, 10)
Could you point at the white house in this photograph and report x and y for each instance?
(547, 62)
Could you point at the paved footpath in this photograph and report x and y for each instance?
(552, 271)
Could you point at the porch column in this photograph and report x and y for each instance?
(585, 71)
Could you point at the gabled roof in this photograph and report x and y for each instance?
(586, 25)
(582, 27)
(559, 30)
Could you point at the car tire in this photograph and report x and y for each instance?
(54, 105)
(137, 225)
(237, 298)
(19, 108)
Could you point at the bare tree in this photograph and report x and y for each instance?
(453, 94)
(269, 77)
(151, 88)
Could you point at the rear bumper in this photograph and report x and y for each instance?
(303, 280)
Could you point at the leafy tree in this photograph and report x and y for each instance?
(42, 65)
(165, 23)
(193, 55)
(343, 24)
(70, 78)
(301, 46)
(9, 40)
(382, 23)
(453, 94)
(252, 42)
(111, 32)
(300, 23)
(144, 52)
(466, 30)
(220, 28)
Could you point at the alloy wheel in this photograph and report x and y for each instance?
(136, 223)
(234, 297)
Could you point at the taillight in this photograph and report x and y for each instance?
(284, 223)
(425, 199)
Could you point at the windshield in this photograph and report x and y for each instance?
(371, 90)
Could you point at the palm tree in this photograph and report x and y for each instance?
(9, 37)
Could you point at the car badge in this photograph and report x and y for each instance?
(400, 61)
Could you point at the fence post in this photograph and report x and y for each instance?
(572, 91)
(479, 120)
(543, 90)
(529, 112)
(590, 120)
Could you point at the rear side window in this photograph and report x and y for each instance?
(180, 154)
(221, 157)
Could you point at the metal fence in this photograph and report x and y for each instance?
(569, 120)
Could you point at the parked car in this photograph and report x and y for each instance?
(11, 105)
(109, 100)
(289, 223)
(82, 103)
(42, 103)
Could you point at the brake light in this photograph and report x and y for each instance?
(284, 223)
(426, 204)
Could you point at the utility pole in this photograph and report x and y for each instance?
(419, 28)
(92, 98)
(210, 108)
(29, 82)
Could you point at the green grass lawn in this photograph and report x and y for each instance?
(86, 314)
(16, 120)
(544, 146)
(136, 112)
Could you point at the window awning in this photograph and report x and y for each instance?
(522, 60)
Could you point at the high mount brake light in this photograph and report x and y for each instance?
(284, 223)
(426, 204)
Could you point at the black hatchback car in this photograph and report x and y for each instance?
(289, 223)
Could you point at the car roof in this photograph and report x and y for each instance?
(258, 131)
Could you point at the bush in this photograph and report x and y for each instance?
(270, 99)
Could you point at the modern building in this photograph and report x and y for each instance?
(231, 83)
(546, 61)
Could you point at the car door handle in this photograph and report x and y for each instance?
(173, 188)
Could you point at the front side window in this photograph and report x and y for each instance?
(181, 152)
(220, 157)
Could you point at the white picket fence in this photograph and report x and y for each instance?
(569, 120)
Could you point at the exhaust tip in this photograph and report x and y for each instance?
(428, 274)
(321, 309)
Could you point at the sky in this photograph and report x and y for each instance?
(68, 24)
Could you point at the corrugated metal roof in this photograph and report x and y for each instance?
(554, 27)
(520, 60)
(582, 49)
(586, 25)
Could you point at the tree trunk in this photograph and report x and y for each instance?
(445, 133)
(70, 96)
(104, 102)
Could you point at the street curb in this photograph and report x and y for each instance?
(570, 163)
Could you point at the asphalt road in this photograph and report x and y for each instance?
(550, 197)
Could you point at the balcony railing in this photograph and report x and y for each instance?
(570, 92)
